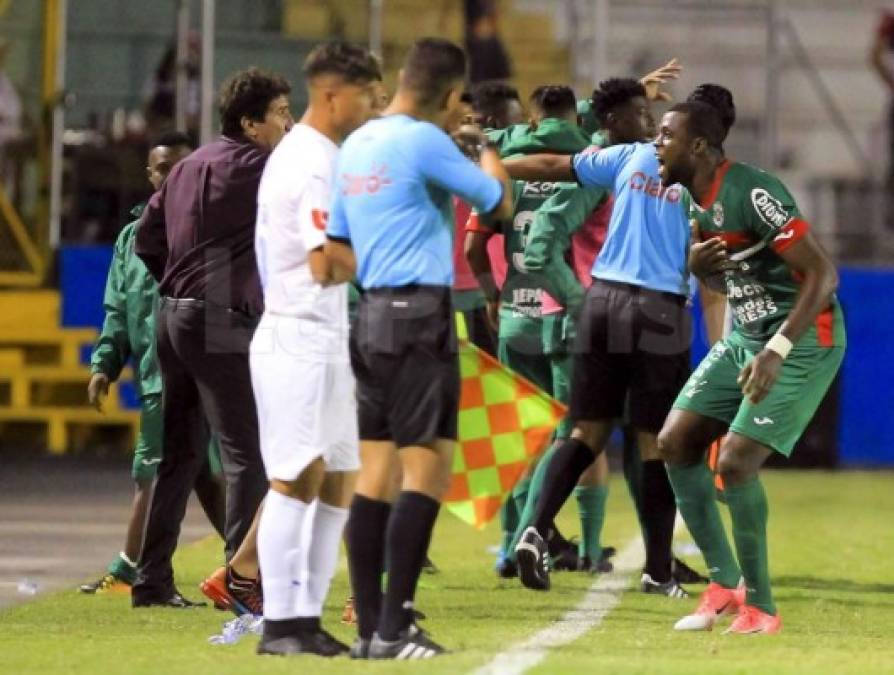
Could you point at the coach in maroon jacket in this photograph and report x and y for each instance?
(197, 239)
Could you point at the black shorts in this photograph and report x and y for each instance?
(631, 354)
(403, 352)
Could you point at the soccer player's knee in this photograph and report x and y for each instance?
(732, 464)
(671, 447)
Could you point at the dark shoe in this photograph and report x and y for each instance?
(109, 583)
(684, 574)
(245, 595)
(532, 559)
(319, 642)
(175, 601)
(601, 566)
(428, 567)
(671, 588)
(608, 552)
(506, 568)
(412, 644)
(360, 649)
(567, 558)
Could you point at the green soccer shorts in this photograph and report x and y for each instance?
(521, 348)
(777, 421)
(147, 453)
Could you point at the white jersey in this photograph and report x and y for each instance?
(293, 207)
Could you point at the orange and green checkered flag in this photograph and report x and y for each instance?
(504, 422)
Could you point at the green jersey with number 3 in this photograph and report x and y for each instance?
(758, 219)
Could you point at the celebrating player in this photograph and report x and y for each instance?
(518, 309)
(300, 367)
(762, 384)
(631, 351)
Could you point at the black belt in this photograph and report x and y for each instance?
(642, 290)
(431, 289)
(197, 303)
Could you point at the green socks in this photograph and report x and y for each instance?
(694, 490)
(520, 496)
(591, 507)
(123, 568)
(535, 485)
(508, 523)
(748, 509)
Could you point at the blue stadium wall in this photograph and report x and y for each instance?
(854, 427)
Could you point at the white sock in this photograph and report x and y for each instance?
(280, 555)
(327, 527)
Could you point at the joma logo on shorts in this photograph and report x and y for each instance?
(769, 208)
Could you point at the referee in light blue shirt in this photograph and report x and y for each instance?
(393, 208)
(631, 354)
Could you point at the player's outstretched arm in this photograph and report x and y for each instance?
(492, 165)
(540, 167)
(819, 277)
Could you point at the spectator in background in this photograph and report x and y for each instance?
(10, 119)
(161, 89)
(881, 57)
(488, 59)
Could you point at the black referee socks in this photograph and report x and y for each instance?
(659, 513)
(565, 468)
(409, 534)
(365, 539)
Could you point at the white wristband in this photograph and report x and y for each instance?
(779, 344)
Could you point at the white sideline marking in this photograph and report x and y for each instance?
(602, 596)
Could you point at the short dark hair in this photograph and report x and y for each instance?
(353, 63)
(248, 93)
(171, 139)
(489, 98)
(432, 65)
(614, 92)
(718, 97)
(702, 121)
(554, 100)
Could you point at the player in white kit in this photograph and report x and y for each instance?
(301, 373)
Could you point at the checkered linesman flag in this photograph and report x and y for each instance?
(505, 421)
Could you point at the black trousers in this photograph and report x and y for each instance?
(203, 357)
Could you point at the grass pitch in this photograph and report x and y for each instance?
(831, 547)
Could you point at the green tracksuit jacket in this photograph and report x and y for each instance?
(129, 326)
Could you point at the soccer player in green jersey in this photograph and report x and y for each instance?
(760, 385)
(517, 309)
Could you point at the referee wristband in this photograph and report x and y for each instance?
(779, 344)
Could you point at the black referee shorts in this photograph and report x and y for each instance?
(403, 352)
(631, 354)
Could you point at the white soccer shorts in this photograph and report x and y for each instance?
(307, 407)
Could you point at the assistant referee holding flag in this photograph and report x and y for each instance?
(393, 207)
